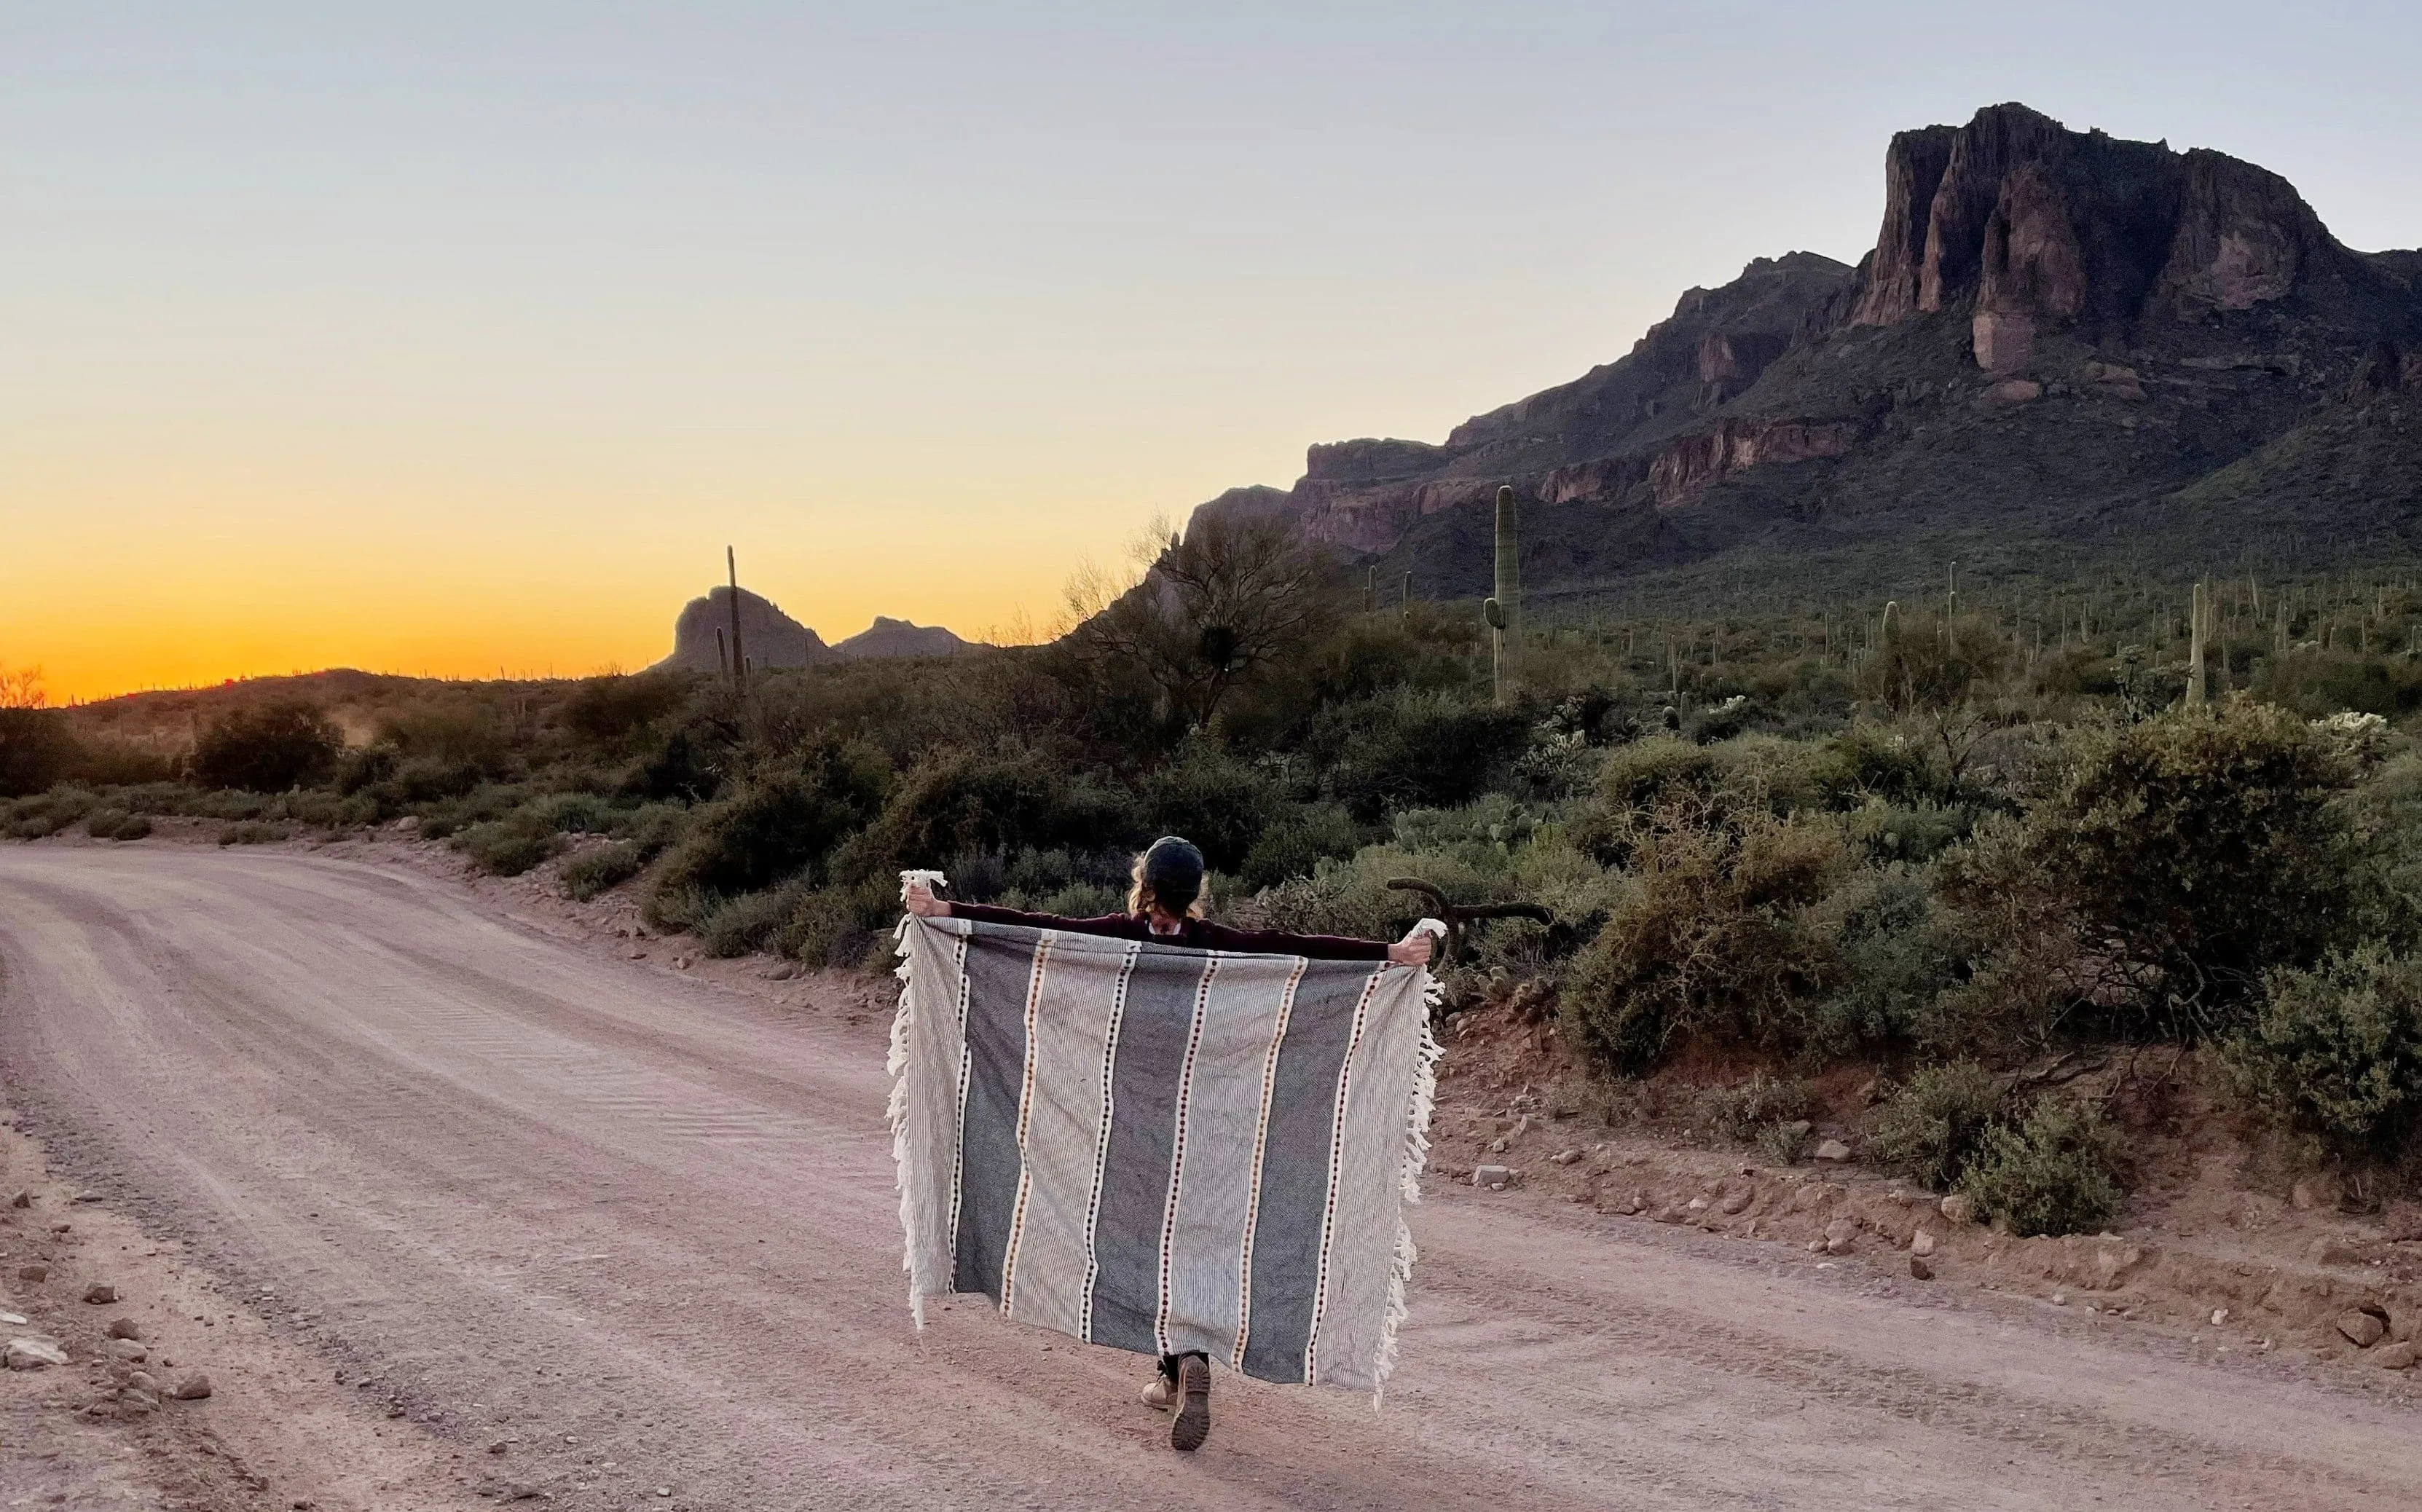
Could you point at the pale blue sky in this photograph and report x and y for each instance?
(373, 310)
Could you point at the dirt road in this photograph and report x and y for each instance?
(610, 1215)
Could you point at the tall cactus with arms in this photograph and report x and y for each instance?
(1504, 612)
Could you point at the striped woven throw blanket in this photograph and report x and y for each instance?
(1164, 1149)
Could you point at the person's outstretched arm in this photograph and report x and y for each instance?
(919, 900)
(1413, 950)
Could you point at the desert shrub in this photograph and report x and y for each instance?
(419, 779)
(843, 925)
(1934, 663)
(1351, 896)
(1214, 798)
(1869, 762)
(459, 734)
(1646, 771)
(1900, 951)
(45, 814)
(2334, 1053)
(2190, 853)
(601, 870)
(779, 824)
(1296, 842)
(687, 761)
(740, 925)
(509, 848)
(1411, 748)
(1712, 938)
(116, 824)
(1722, 720)
(1746, 1110)
(1890, 832)
(366, 768)
(1060, 881)
(269, 748)
(608, 709)
(253, 832)
(1931, 1126)
(2057, 1173)
(959, 803)
(486, 803)
(35, 750)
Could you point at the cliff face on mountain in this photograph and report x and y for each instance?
(768, 638)
(2055, 334)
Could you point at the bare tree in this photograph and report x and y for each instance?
(1210, 610)
(21, 688)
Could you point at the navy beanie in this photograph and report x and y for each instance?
(1173, 868)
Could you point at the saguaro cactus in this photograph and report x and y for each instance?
(739, 661)
(1504, 611)
(2194, 653)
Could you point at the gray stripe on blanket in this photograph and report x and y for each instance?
(999, 970)
(1295, 1168)
(1161, 996)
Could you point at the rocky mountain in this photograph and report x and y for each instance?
(769, 637)
(2063, 344)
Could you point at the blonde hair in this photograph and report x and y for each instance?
(1140, 894)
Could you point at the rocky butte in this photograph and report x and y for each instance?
(2063, 345)
(771, 639)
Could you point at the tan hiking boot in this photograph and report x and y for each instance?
(1161, 1395)
(1193, 1424)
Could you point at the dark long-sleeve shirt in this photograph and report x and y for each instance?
(1199, 933)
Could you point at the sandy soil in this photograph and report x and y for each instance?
(408, 1148)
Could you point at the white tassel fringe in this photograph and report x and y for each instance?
(895, 1065)
(1417, 1157)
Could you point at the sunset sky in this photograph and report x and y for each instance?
(465, 337)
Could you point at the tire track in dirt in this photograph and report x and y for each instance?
(535, 1194)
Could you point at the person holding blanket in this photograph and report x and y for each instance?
(1166, 904)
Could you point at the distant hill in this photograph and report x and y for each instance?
(898, 637)
(769, 637)
(2065, 346)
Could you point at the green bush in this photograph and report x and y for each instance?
(740, 925)
(117, 824)
(1890, 832)
(601, 870)
(47, 814)
(1933, 1124)
(509, 848)
(1412, 749)
(253, 832)
(1220, 802)
(456, 734)
(271, 747)
(606, 710)
(779, 824)
(1871, 763)
(1900, 950)
(1653, 770)
(2335, 1053)
(961, 803)
(1712, 938)
(1295, 845)
(2058, 1173)
(845, 925)
(2189, 853)
(35, 750)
